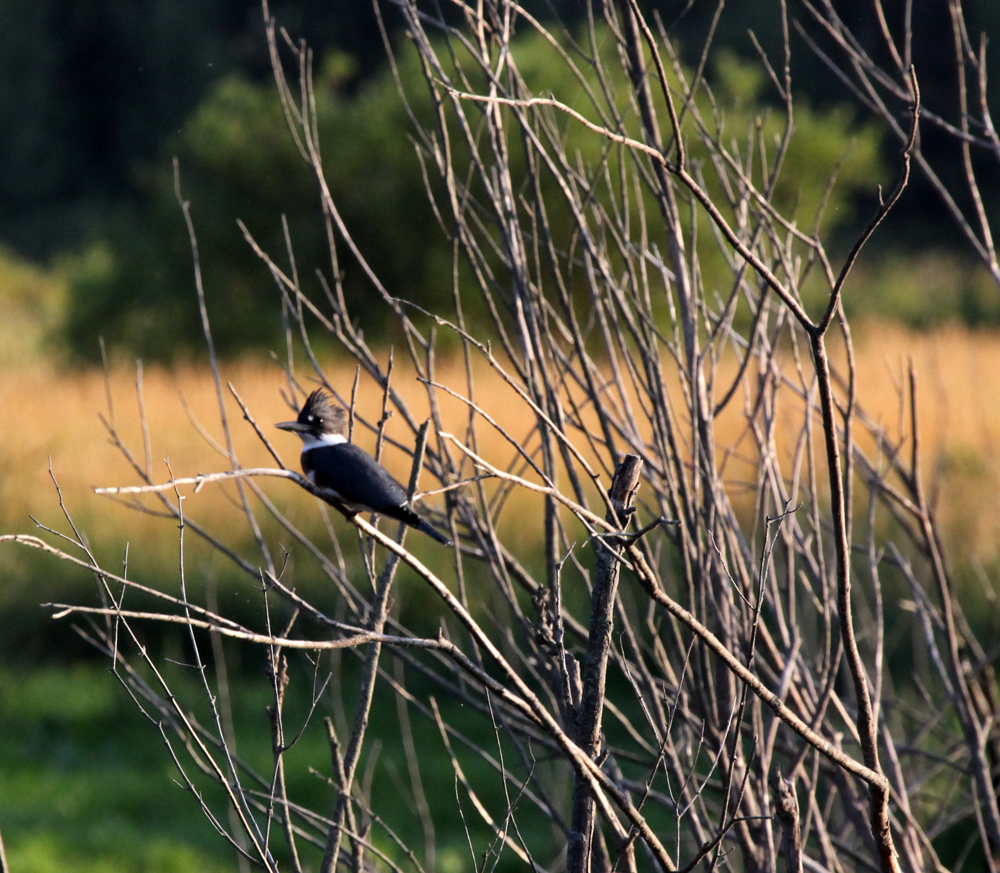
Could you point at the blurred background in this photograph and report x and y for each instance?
(96, 100)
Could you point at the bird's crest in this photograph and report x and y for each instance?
(318, 413)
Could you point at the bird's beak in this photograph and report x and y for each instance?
(293, 426)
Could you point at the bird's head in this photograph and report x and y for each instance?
(319, 421)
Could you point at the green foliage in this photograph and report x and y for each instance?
(81, 787)
(924, 289)
(31, 303)
(238, 161)
(135, 286)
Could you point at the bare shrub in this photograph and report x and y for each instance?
(877, 72)
(699, 662)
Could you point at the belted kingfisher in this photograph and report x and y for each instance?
(354, 480)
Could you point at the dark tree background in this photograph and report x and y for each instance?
(92, 90)
(97, 97)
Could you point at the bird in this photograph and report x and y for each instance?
(350, 478)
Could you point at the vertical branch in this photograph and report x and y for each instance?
(786, 805)
(589, 715)
(379, 613)
(867, 727)
(278, 670)
(214, 364)
(962, 682)
(962, 48)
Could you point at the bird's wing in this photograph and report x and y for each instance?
(359, 482)
(357, 477)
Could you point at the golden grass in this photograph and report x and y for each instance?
(958, 401)
(54, 415)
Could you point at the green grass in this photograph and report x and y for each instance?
(86, 783)
(84, 786)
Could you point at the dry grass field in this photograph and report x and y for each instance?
(54, 415)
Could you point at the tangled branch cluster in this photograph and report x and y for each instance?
(694, 670)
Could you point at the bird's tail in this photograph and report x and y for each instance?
(432, 532)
